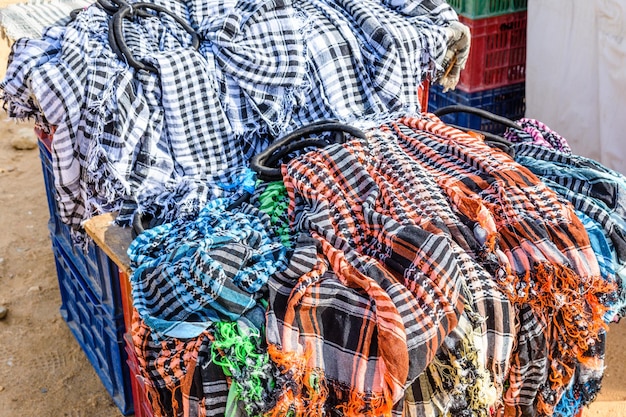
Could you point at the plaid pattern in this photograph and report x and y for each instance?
(313, 315)
(411, 196)
(607, 237)
(552, 263)
(369, 208)
(452, 384)
(607, 262)
(586, 180)
(179, 376)
(437, 11)
(258, 58)
(586, 384)
(161, 141)
(365, 60)
(317, 324)
(271, 198)
(530, 364)
(535, 132)
(223, 370)
(594, 190)
(189, 274)
(167, 143)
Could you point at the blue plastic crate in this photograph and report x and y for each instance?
(93, 265)
(509, 102)
(99, 333)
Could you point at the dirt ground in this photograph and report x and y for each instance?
(43, 371)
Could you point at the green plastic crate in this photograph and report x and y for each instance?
(478, 9)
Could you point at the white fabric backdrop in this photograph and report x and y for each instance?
(576, 74)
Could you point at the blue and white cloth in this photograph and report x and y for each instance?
(166, 143)
(190, 274)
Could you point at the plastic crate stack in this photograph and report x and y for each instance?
(91, 302)
(494, 77)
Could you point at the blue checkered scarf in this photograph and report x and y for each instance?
(189, 274)
(593, 189)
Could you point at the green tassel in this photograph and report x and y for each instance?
(237, 349)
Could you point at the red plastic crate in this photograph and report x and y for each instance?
(127, 299)
(497, 55)
(422, 94)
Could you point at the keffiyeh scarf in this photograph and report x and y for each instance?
(553, 267)
(165, 143)
(190, 274)
(374, 229)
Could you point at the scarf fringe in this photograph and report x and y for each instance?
(304, 391)
(307, 393)
(238, 351)
(459, 366)
(572, 307)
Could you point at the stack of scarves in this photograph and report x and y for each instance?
(597, 195)
(417, 272)
(165, 143)
(425, 273)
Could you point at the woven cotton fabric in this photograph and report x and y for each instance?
(366, 60)
(165, 143)
(393, 185)
(453, 384)
(190, 274)
(538, 133)
(313, 328)
(371, 211)
(178, 375)
(547, 247)
(594, 190)
(271, 199)
(29, 19)
(308, 301)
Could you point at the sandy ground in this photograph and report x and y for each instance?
(43, 371)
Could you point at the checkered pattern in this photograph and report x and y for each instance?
(417, 199)
(436, 11)
(179, 376)
(452, 384)
(538, 133)
(593, 189)
(372, 210)
(553, 267)
(347, 337)
(607, 236)
(189, 274)
(167, 143)
(366, 60)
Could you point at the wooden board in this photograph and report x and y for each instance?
(111, 238)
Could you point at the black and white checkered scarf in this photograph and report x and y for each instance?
(167, 142)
